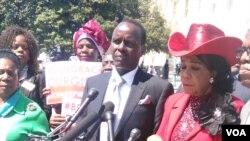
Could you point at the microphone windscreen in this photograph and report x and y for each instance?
(108, 106)
(135, 134)
(80, 127)
(154, 138)
(92, 93)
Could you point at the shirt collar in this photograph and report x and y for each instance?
(23, 74)
(10, 103)
(128, 77)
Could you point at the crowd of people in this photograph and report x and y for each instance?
(214, 90)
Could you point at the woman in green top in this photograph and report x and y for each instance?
(19, 115)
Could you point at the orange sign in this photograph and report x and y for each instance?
(66, 79)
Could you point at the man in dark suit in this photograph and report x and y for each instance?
(141, 95)
(242, 69)
(242, 85)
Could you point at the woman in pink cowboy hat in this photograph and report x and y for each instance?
(197, 113)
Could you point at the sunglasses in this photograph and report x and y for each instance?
(242, 50)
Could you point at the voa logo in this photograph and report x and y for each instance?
(236, 132)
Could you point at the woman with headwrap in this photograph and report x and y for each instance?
(89, 43)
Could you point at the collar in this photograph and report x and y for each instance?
(24, 73)
(10, 103)
(128, 77)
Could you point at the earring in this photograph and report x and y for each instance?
(211, 80)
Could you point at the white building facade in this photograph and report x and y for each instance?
(232, 16)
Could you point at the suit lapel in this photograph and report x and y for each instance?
(26, 91)
(102, 87)
(176, 113)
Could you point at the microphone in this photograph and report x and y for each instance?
(109, 119)
(154, 138)
(134, 134)
(108, 106)
(92, 94)
(80, 127)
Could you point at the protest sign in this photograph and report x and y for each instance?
(66, 80)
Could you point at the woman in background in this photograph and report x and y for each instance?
(90, 43)
(32, 80)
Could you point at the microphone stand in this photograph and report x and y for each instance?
(58, 128)
(32, 137)
(109, 119)
(106, 107)
(92, 94)
(91, 132)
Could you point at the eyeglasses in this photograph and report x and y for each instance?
(241, 50)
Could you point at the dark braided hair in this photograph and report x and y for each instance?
(8, 36)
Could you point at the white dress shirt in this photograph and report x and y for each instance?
(124, 91)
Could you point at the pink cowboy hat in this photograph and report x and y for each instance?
(204, 39)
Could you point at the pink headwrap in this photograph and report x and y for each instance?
(93, 31)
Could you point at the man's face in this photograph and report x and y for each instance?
(8, 78)
(107, 63)
(126, 47)
(244, 70)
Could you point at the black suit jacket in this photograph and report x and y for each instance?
(38, 80)
(145, 117)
